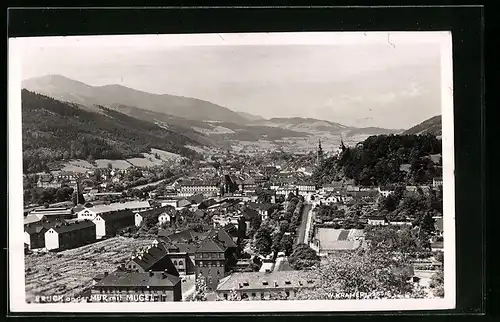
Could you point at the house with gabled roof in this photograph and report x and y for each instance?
(110, 223)
(155, 212)
(215, 255)
(152, 258)
(70, 235)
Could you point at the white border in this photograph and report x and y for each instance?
(16, 242)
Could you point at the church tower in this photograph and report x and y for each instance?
(319, 156)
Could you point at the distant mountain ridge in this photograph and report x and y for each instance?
(66, 89)
(204, 122)
(55, 130)
(429, 126)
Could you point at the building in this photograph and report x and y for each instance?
(319, 154)
(53, 212)
(249, 185)
(34, 236)
(70, 235)
(207, 188)
(329, 240)
(384, 191)
(214, 257)
(264, 285)
(181, 255)
(122, 286)
(377, 220)
(110, 223)
(264, 209)
(33, 218)
(437, 182)
(156, 212)
(306, 187)
(48, 181)
(152, 258)
(91, 212)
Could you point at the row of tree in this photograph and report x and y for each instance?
(378, 160)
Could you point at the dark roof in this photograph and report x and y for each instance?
(199, 183)
(222, 237)
(154, 211)
(35, 229)
(185, 235)
(199, 213)
(119, 214)
(260, 206)
(66, 227)
(150, 257)
(134, 279)
(179, 247)
(196, 198)
(209, 245)
(249, 213)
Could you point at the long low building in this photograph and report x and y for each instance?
(137, 287)
(92, 212)
(70, 235)
(264, 285)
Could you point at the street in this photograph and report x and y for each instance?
(301, 234)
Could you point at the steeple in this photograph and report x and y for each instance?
(319, 156)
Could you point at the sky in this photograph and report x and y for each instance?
(357, 79)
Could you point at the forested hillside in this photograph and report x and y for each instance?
(54, 130)
(381, 160)
(430, 126)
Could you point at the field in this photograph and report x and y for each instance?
(117, 164)
(69, 272)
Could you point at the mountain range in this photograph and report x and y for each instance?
(195, 122)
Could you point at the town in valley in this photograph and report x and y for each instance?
(322, 179)
(237, 227)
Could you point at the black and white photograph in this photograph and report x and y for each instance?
(231, 172)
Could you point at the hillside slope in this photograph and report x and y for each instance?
(430, 126)
(66, 89)
(55, 130)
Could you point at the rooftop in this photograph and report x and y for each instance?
(263, 280)
(133, 279)
(67, 227)
(339, 239)
(120, 206)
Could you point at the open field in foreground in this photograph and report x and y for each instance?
(69, 272)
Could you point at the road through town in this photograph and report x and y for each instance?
(301, 234)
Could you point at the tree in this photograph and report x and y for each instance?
(427, 224)
(110, 166)
(363, 275)
(303, 257)
(287, 244)
(437, 283)
(276, 245)
(200, 289)
(263, 240)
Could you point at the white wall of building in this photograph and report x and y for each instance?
(100, 227)
(27, 239)
(86, 214)
(51, 239)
